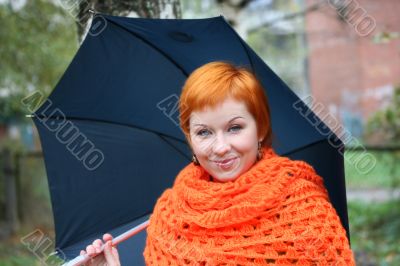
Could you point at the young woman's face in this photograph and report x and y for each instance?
(224, 139)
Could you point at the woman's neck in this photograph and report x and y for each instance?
(212, 179)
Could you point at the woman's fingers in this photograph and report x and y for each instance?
(111, 254)
(90, 250)
(97, 245)
(115, 253)
(89, 263)
(107, 237)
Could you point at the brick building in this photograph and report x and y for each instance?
(354, 57)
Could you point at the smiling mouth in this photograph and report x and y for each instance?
(226, 164)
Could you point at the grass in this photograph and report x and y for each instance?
(374, 227)
(14, 253)
(375, 232)
(384, 174)
(34, 250)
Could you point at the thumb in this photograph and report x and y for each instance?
(112, 259)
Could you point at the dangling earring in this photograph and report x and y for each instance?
(194, 160)
(259, 152)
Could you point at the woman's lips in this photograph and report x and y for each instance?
(226, 164)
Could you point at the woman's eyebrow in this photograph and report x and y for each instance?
(236, 117)
(204, 125)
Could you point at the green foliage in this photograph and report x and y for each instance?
(11, 107)
(385, 37)
(12, 145)
(37, 43)
(386, 123)
(375, 232)
(384, 126)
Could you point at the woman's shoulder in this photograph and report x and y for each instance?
(302, 171)
(305, 181)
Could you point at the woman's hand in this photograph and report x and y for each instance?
(109, 257)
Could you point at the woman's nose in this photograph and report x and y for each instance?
(221, 146)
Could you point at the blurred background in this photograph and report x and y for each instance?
(341, 56)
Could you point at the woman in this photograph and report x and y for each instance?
(238, 203)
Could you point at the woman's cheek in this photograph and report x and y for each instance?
(244, 141)
(203, 146)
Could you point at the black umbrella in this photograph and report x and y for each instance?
(110, 133)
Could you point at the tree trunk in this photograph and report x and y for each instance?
(11, 205)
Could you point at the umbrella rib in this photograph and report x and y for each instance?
(109, 122)
(151, 45)
(306, 146)
(173, 146)
(242, 43)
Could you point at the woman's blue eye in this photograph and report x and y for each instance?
(235, 128)
(203, 132)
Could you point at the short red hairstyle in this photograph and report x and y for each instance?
(210, 84)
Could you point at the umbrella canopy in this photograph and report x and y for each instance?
(110, 133)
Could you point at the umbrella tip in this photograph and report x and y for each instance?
(91, 11)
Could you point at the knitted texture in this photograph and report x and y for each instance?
(277, 213)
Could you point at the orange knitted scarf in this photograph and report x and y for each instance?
(277, 213)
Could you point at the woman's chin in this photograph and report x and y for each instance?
(224, 178)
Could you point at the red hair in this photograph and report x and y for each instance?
(210, 84)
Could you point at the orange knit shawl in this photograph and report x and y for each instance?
(277, 213)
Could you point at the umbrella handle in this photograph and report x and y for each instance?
(81, 259)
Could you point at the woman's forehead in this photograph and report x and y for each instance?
(225, 111)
